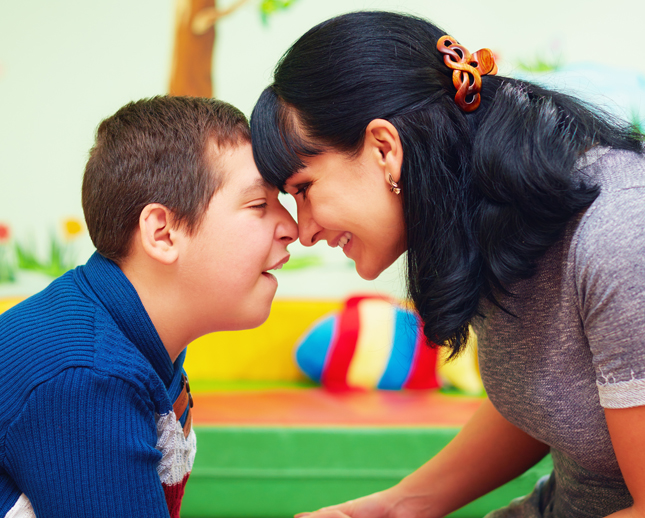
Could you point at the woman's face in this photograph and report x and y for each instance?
(347, 202)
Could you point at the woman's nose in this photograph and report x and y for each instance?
(288, 228)
(308, 230)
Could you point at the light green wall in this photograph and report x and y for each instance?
(66, 64)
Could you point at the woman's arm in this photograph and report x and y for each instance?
(627, 429)
(488, 452)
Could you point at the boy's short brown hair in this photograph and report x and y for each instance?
(154, 151)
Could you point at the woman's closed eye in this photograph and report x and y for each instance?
(302, 189)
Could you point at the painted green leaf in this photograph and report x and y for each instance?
(270, 7)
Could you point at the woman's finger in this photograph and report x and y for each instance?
(335, 513)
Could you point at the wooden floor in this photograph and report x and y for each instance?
(318, 407)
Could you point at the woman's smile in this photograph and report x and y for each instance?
(340, 240)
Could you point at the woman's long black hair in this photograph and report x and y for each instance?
(484, 194)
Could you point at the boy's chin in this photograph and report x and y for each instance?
(257, 323)
(251, 321)
(253, 311)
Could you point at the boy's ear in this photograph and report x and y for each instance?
(382, 138)
(158, 236)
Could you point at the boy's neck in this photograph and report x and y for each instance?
(159, 295)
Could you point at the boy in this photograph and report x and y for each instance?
(95, 411)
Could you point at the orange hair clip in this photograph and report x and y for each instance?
(467, 70)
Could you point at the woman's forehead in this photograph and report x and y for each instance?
(301, 175)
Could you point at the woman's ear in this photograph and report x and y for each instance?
(157, 234)
(382, 139)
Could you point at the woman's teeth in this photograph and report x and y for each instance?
(344, 239)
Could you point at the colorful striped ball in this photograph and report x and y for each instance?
(371, 343)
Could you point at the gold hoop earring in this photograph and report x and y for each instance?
(394, 187)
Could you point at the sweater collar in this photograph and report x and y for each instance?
(117, 294)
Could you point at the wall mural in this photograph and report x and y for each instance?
(195, 38)
(594, 82)
(24, 255)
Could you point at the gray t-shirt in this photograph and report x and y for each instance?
(577, 345)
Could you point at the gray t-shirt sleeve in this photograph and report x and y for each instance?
(609, 259)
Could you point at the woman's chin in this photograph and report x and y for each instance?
(368, 273)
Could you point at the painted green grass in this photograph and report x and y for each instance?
(60, 259)
(7, 266)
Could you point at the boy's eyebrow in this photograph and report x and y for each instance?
(258, 183)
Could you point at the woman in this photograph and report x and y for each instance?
(521, 211)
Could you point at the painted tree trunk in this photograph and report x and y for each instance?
(192, 59)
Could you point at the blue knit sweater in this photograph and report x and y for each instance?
(87, 427)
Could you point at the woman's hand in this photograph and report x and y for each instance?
(630, 512)
(384, 504)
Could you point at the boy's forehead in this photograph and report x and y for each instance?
(257, 184)
(237, 169)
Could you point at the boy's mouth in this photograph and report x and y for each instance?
(279, 264)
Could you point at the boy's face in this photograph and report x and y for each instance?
(244, 233)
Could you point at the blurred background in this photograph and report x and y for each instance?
(67, 64)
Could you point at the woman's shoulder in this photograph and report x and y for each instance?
(613, 170)
(610, 230)
(620, 175)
